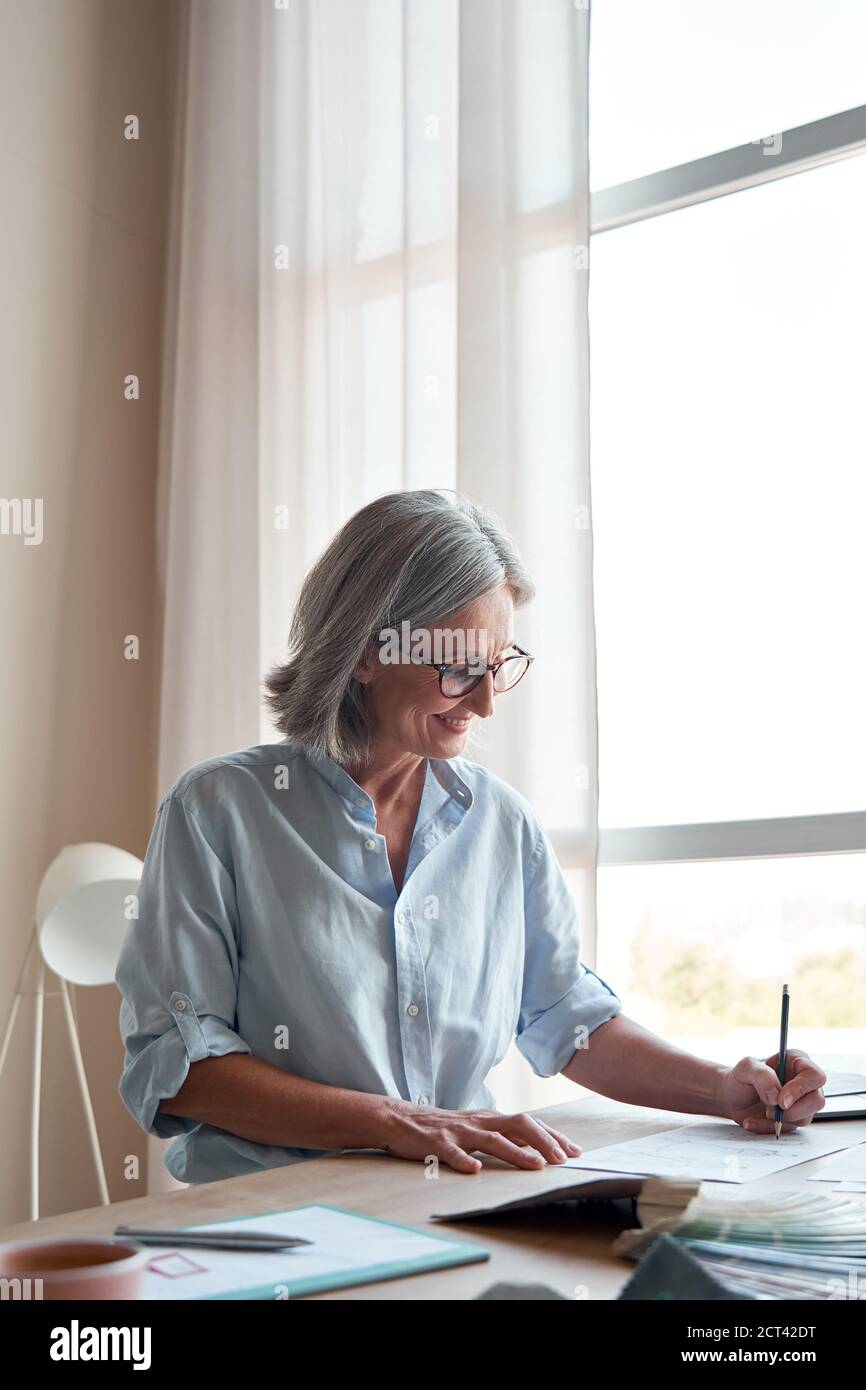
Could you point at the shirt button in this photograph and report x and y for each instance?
(423, 1100)
(180, 1005)
(412, 1010)
(369, 844)
(401, 918)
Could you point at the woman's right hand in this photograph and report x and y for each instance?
(453, 1136)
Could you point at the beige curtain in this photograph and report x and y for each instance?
(380, 281)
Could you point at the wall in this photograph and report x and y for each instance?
(82, 241)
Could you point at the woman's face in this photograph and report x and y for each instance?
(410, 714)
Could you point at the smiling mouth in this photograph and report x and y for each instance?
(455, 726)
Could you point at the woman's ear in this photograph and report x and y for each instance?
(363, 672)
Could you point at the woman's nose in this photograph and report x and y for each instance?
(480, 700)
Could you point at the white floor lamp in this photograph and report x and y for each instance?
(85, 903)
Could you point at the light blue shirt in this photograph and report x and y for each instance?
(269, 923)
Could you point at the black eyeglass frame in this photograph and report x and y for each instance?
(442, 666)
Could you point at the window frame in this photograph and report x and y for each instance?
(730, 171)
(839, 136)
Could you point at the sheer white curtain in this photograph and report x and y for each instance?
(379, 281)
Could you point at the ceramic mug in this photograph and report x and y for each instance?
(73, 1267)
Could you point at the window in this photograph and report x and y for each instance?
(676, 82)
(727, 298)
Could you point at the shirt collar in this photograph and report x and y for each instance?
(336, 777)
(346, 787)
(448, 777)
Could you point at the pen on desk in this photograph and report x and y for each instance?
(209, 1240)
(783, 1056)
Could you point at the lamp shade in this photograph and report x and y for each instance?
(82, 911)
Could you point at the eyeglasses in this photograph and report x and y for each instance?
(457, 681)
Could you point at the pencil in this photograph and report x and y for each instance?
(783, 1056)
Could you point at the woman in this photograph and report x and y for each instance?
(340, 934)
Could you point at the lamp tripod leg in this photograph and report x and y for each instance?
(85, 1095)
(38, 1022)
(16, 1000)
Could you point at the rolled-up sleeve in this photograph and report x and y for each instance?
(563, 1001)
(178, 968)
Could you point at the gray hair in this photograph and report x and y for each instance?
(418, 556)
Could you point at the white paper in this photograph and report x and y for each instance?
(721, 1152)
(844, 1083)
(344, 1243)
(846, 1167)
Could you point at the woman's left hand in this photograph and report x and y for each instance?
(750, 1091)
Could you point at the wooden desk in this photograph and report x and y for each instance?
(537, 1246)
